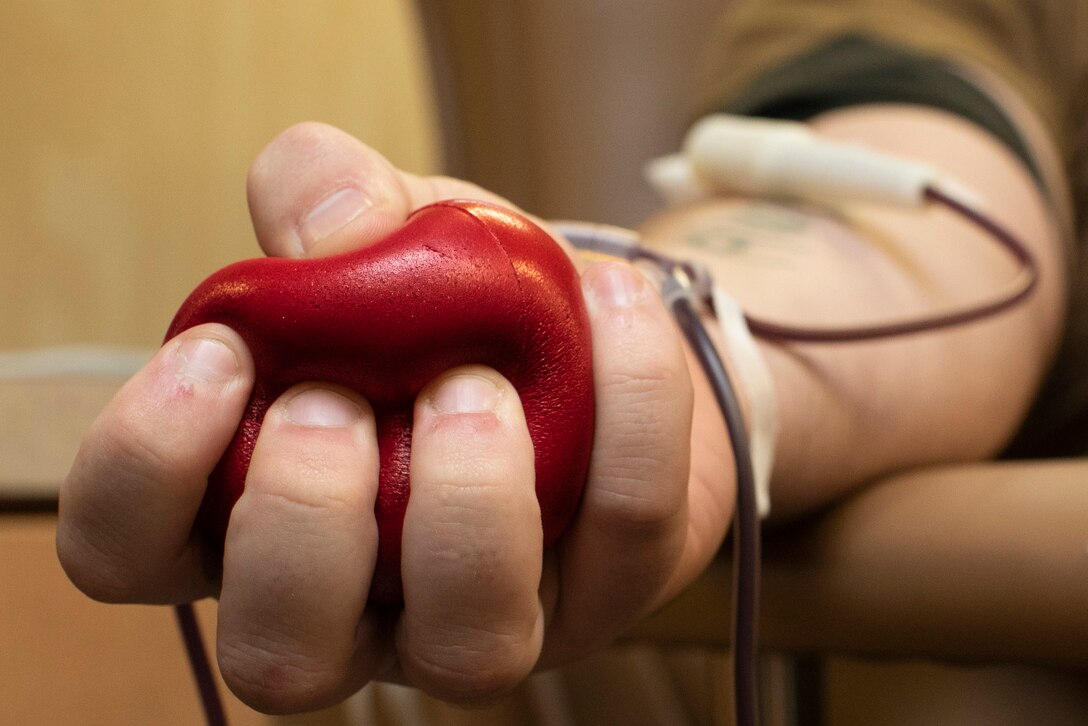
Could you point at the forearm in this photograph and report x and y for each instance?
(849, 412)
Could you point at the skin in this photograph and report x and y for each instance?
(851, 413)
(484, 605)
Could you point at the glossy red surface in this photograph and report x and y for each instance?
(461, 282)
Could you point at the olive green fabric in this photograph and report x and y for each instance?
(853, 69)
(1037, 46)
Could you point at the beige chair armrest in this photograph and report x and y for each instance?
(42, 423)
(981, 563)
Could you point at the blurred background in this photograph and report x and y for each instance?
(128, 128)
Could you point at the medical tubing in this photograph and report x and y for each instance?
(201, 666)
(1017, 291)
(746, 526)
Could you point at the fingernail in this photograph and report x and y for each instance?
(321, 408)
(466, 394)
(616, 285)
(331, 214)
(207, 359)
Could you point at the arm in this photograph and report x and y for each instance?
(295, 630)
(851, 412)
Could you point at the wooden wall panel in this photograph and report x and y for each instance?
(558, 104)
(128, 127)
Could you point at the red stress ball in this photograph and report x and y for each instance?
(461, 282)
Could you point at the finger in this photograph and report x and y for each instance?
(315, 191)
(631, 528)
(299, 556)
(128, 504)
(471, 559)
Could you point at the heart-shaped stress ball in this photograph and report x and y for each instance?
(461, 282)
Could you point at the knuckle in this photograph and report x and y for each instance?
(651, 383)
(135, 455)
(477, 489)
(637, 486)
(318, 513)
(270, 678)
(92, 550)
(470, 675)
(635, 507)
(640, 487)
(468, 660)
(305, 487)
(95, 569)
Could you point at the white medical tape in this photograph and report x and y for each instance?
(752, 376)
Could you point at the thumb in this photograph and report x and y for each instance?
(316, 190)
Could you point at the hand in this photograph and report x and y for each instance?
(484, 605)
